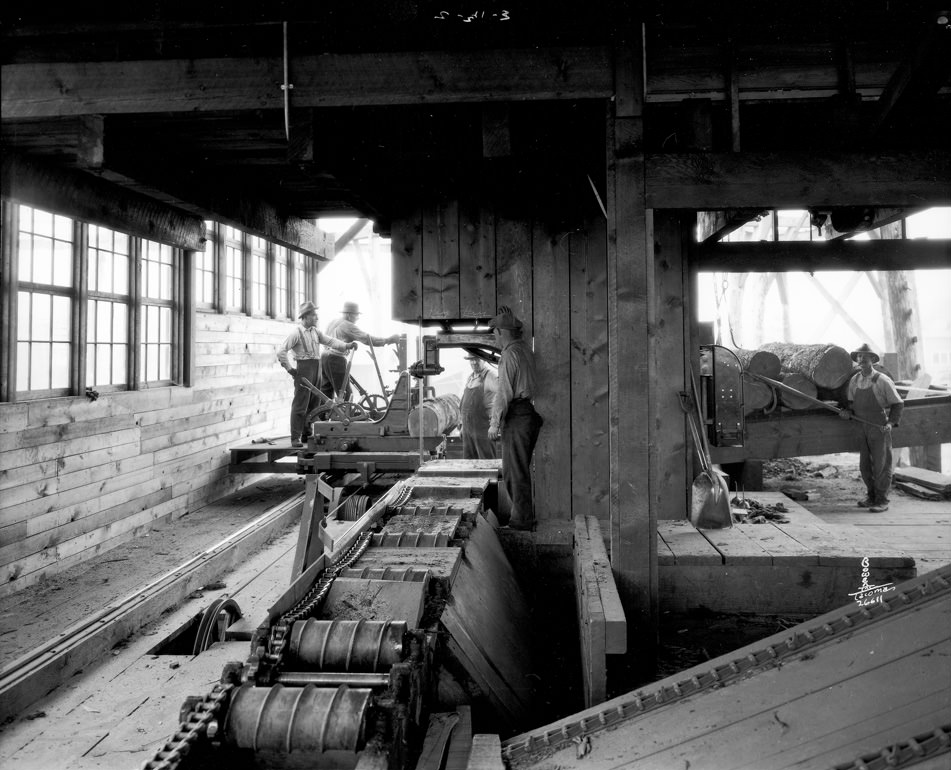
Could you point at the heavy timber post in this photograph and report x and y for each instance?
(633, 521)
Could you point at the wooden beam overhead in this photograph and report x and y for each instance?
(775, 256)
(82, 196)
(329, 80)
(798, 180)
(714, 225)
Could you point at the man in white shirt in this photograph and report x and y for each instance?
(873, 398)
(345, 328)
(303, 344)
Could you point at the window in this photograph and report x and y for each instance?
(259, 278)
(157, 279)
(44, 302)
(234, 268)
(107, 320)
(300, 281)
(205, 269)
(280, 282)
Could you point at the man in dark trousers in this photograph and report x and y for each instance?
(514, 416)
(873, 398)
(476, 407)
(345, 328)
(304, 345)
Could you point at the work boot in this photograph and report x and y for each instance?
(866, 503)
(878, 508)
(297, 443)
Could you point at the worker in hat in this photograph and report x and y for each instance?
(476, 406)
(873, 398)
(514, 416)
(303, 345)
(334, 362)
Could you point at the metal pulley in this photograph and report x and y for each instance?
(304, 721)
(347, 645)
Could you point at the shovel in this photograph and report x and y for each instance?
(709, 495)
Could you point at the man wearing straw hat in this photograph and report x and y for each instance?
(304, 344)
(873, 398)
(345, 328)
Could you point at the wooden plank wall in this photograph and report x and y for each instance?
(79, 477)
(462, 260)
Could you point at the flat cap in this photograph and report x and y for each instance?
(505, 321)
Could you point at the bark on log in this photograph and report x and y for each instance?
(438, 416)
(826, 366)
(840, 394)
(801, 383)
(759, 362)
(756, 394)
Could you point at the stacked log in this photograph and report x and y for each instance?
(826, 366)
(801, 383)
(756, 394)
(761, 362)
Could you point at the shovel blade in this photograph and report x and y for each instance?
(710, 502)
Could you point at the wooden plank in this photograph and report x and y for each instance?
(665, 556)
(669, 329)
(513, 243)
(615, 623)
(550, 301)
(784, 549)
(813, 256)
(737, 548)
(441, 260)
(407, 253)
(591, 619)
(486, 753)
(83, 196)
(687, 544)
(362, 599)
(589, 357)
(31, 677)
(633, 519)
(331, 79)
(460, 744)
(477, 253)
(797, 180)
(939, 482)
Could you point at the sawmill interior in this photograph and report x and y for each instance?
(707, 224)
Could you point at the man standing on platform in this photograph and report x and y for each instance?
(335, 363)
(304, 344)
(873, 398)
(476, 407)
(514, 416)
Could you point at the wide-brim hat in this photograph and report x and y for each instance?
(865, 349)
(306, 308)
(505, 321)
(473, 357)
(351, 307)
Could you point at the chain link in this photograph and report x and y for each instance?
(192, 727)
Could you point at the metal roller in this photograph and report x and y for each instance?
(298, 719)
(347, 645)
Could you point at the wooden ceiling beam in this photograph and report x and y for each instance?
(813, 256)
(710, 181)
(714, 225)
(83, 196)
(329, 80)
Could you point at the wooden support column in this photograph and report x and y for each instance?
(633, 521)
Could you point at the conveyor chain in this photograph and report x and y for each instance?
(193, 726)
(905, 753)
(652, 697)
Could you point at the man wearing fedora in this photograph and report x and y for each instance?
(514, 416)
(304, 345)
(476, 406)
(873, 398)
(345, 328)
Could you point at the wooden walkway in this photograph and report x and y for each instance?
(805, 567)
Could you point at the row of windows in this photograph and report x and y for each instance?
(97, 308)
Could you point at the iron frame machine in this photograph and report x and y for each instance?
(321, 693)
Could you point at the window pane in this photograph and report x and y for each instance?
(23, 366)
(165, 288)
(152, 280)
(120, 275)
(62, 263)
(63, 228)
(42, 222)
(118, 365)
(165, 362)
(105, 271)
(121, 243)
(103, 321)
(61, 364)
(165, 324)
(151, 362)
(62, 321)
(23, 315)
(152, 325)
(25, 255)
(40, 327)
(42, 260)
(120, 321)
(40, 366)
(103, 365)
(90, 364)
(208, 287)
